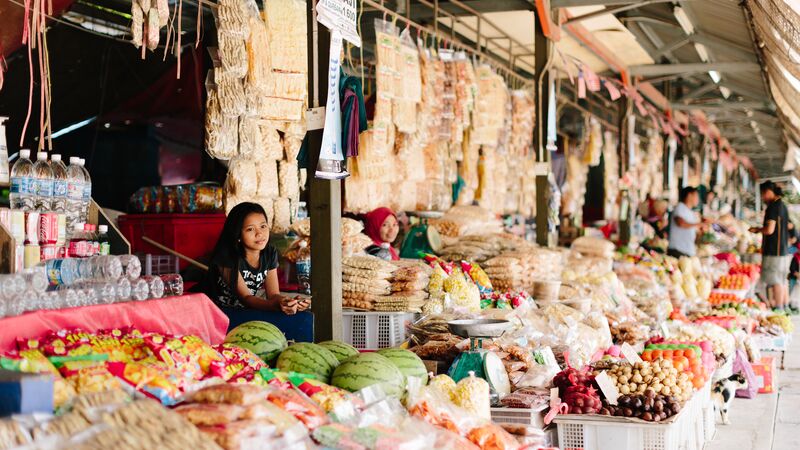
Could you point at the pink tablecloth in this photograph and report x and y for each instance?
(193, 314)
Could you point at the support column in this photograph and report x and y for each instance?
(625, 107)
(542, 54)
(325, 200)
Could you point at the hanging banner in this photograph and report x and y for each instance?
(340, 15)
(330, 165)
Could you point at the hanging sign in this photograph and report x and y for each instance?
(340, 15)
(330, 165)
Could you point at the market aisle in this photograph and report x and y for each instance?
(769, 421)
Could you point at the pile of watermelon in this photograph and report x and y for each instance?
(332, 362)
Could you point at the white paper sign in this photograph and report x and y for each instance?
(554, 400)
(630, 353)
(332, 135)
(315, 118)
(608, 388)
(340, 15)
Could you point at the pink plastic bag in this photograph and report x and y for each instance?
(742, 365)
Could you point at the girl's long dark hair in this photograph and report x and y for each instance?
(228, 250)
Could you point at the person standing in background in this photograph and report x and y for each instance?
(684, 224)
(775, 258)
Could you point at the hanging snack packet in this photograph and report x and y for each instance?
(478, 276)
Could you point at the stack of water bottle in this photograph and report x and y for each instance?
(49, 208)
(71, 282)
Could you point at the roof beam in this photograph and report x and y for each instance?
(668, 69)
(617, 9)
(698, 92)
(674, 45)
(571, 3)
(719, 106)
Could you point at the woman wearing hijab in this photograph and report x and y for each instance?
(381, 226)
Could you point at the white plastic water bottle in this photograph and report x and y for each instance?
(63, 271)
(43, 179)
(60, 183)
(21, 195)
(87, 190)
(75, 182)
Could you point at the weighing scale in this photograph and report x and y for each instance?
(421, 237)
(484, 364)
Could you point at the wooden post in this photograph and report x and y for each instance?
(542, 53)
(325, 202)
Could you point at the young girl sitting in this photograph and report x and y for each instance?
(243, 270)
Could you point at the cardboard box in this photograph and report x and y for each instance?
(766, 371)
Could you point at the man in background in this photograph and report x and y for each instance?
(775, 258)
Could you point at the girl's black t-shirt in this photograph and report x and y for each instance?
(254, 277)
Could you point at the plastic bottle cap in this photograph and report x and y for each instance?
(41, 156)
(55, 157)
(73, 160)
(25, 153)
(103, 228)
(87, 227)
(81, 162)
(78, 227)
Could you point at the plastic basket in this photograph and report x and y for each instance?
(375, 330)
(594, 432)
(519, 416)
(159, 264)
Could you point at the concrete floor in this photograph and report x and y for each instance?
(769, 421)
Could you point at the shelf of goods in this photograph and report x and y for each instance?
(10, 247)
(688, 430)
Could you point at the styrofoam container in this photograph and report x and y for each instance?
(375, 330)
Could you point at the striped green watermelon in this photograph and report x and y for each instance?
(408, 362)
(367, 369)
(339, 349)
(308, 358)
(262, 338)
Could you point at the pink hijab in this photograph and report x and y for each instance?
(373, 222)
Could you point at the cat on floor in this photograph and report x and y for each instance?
(724, 391)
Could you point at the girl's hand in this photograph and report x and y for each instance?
(303, 304)
(289, 305)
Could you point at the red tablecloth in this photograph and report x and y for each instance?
(193, 314)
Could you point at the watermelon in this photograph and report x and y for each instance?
(341, 350)
(409, 364)
(262, 338)
(367, 369)
(308, 358)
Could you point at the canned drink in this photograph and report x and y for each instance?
(48, 252)
(18, 225)
(62, 229)
(48, 228)
(32, 255)
(32, 228)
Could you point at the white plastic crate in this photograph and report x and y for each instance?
(519, 416)
(594, 432)
(159, 264)
(375, 330)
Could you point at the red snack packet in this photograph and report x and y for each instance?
(299, 406)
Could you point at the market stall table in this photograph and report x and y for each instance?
(193, 314)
